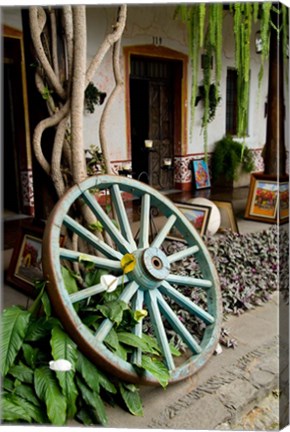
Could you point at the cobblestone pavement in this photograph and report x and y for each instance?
(264, 416)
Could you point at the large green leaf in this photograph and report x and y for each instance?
(114, 310)
(14, 325)
(89, 372)
(134, 341)
(84, 416)
(48, 390)
(8, 384)
(11, 411)
(94, 277)
(64, 348)
(30, 355)
(27, 392)
(92, 399)
(113, 342)
(40, 328)
(92, 376)
(46, 304)
(152, 342)
(22, 372)
(69, 280)
(131, 397)
(106, 383)
(156, 368)
(35, 413)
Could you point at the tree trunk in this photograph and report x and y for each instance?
(274, 150)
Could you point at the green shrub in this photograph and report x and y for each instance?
(228, 156)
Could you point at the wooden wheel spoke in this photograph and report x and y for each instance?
(149, 285)
(177, 325)
(107, 223)
(178, 256)
(155, 316)
(137, 304)
(163, 232)
(86, 235)
(93, 290)
(101, 262)
(144, 222)
(122, 215)
(189, 281)
(107, 324)
(183, 301)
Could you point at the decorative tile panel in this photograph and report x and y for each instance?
(183, 173)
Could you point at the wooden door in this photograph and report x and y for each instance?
(161, 132)
(154, 95)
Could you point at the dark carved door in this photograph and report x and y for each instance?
(152, 99)
(160, 131)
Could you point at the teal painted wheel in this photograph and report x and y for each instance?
(182, 302)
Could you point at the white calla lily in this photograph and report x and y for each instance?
(61, 365)
(109, 282)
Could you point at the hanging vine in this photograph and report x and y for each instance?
(205, 24)
(194, 18)
(242, 29)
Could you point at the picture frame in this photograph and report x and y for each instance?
(200, 174)
(25, 265)
(197, 214)
(228, 218)
(268, 199)
(284, 202)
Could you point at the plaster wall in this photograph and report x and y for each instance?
(11, 16)
(144, 23)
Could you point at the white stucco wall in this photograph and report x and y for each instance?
(143, 23)
(11, 16)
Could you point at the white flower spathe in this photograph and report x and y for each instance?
(60, 365)
(109, 282)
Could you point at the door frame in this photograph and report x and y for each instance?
(161, 53)
(25, 174)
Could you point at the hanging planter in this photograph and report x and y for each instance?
(205, 24)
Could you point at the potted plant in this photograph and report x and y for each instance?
(230, 160)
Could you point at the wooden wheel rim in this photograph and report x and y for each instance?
(151, 295)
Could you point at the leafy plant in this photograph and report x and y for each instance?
(94, 160)
(204, 24)
(240, 261)
(33, 342)
(228, 157)
(213, 101)
(93, 96)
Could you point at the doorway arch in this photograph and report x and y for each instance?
(156, 109)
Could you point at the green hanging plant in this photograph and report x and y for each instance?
(205, 23)
(265, 37)
(229, 156)
(194, 18)
(208, 38)
(93, 96)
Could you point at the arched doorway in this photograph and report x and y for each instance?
(156, 111)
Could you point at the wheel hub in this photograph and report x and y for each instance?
(152, 267)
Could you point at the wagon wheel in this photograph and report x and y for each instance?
(154, 285)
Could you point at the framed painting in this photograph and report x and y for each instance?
(25, 267)
(198, 215)
(284, 201)
(200, 174)
(263, 198)
(228, 218)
